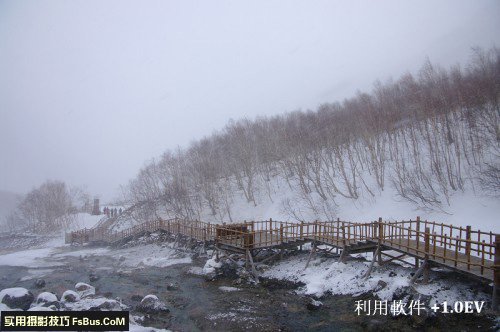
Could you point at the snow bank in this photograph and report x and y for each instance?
(152, 255)
(83, 220)
(327, 275)
(44, 257)
(82, 252)
(31, 258)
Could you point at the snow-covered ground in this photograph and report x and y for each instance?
(330, 276)
(31, 258)
(84, 220)
(465, 208)
(34, 257)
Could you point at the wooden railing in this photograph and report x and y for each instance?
(460, 247)
(467, 250)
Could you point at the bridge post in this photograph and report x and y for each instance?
(281, 240)
(343, 235)
(496, 275)
(418, 241)
(343, 254)
(271, 225)
(427, 249)
(281, 233)
(380, 239)
(301, 233)
(467, 245)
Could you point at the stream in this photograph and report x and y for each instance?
(199, 305)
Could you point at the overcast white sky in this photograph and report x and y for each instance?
(91, 90)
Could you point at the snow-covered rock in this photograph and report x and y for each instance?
(4, 307)
(109, 305)
(172, 286)
(196, 270)
(211, 265)
(95, 304)
(228, 289)
(37, 308)
(313, 304)
(16, 297)
(84, 289)
(70, 296)
(46, 297)
(151, 304)
(39, 283)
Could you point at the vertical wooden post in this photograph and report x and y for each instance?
(417, 237)
(444, 249)
(301, 233)
(467, 246)
(427, 237)
(343, 235)
(315, 231)
(246, 259)
(482, 257)
(496, 275)
(338, 231)
(319, 229)
(380, 239)
(271, 226)
(434, 240)
(281, 233)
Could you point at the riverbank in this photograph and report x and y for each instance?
(283, 300)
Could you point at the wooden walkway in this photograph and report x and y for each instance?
(469, 251)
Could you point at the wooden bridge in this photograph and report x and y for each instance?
(463, 249)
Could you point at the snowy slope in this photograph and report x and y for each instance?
(84, 220)
(466, 208)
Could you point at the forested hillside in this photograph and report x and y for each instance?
(423, 138)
